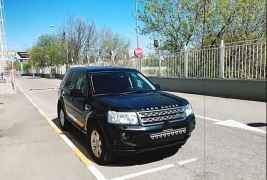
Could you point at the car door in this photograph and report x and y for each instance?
(80, 102)
(66, 94)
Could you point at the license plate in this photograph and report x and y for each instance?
(168, 133)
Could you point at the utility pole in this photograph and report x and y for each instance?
(136, 30)
(2, 31)
(136, 24)
(4, 65)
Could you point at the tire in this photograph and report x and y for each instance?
(62, 118)
(98, 147)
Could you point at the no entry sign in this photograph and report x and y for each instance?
(138, 52)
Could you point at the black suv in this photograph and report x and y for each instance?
(121, 111)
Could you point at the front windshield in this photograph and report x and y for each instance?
(120, 82)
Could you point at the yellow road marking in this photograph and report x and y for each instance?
(59, 132)
(82, 157)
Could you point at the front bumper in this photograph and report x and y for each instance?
(138, 139)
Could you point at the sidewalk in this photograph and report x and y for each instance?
(6, 88)
(30, 149)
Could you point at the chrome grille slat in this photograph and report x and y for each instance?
(160, 115)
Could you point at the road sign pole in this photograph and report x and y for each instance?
(159, 62)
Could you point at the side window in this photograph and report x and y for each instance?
(82, 83)
(65, 79)
(71, 81)
(138, 82)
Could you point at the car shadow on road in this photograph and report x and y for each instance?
(257, 124)
(79, 139)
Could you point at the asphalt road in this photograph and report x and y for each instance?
(223, 146)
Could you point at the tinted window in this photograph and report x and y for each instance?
(65, 79)
(71, 81)
(82, 83)
(120, 82)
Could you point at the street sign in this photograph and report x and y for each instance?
(138, 52)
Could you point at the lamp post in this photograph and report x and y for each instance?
(52, 29)
(137, 35)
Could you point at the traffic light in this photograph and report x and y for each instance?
(156, 43)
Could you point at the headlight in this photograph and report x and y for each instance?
(188, 110)
(122, 118)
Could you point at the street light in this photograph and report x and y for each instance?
(52, 28)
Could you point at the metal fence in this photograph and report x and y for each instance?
(242, 60)
(228, 61)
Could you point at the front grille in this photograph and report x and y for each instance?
(160, 116)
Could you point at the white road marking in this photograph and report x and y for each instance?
(43, 90)
(232, 123)
(133, 175)
(96, 173)
(91, 167)
(236, 124)
(67, 141)
(208, 118)
(181, 163)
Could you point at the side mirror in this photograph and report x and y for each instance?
(157, 86)
(76, 93)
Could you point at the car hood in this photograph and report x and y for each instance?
(141, 101)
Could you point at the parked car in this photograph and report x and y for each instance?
(122, 111)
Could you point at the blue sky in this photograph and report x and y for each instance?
(25, 20)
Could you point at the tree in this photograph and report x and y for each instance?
(79, 40)
(47, 52)
(236, 21)
(78, 43)
(195, 23)
(113, 46)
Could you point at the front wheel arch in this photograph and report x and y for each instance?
(107, 157)
(93, 122)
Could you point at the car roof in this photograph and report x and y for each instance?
(101, 68)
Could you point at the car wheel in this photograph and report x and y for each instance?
(98, 147)
(62, 119)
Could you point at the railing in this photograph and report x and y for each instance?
(246, 61)
(235, 61)
(242, 60)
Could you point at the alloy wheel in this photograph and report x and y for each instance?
(96, 144)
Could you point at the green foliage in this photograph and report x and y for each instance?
(194, 23)
(78, 43)
(47, 52)
(17, 65)
(26, 66)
